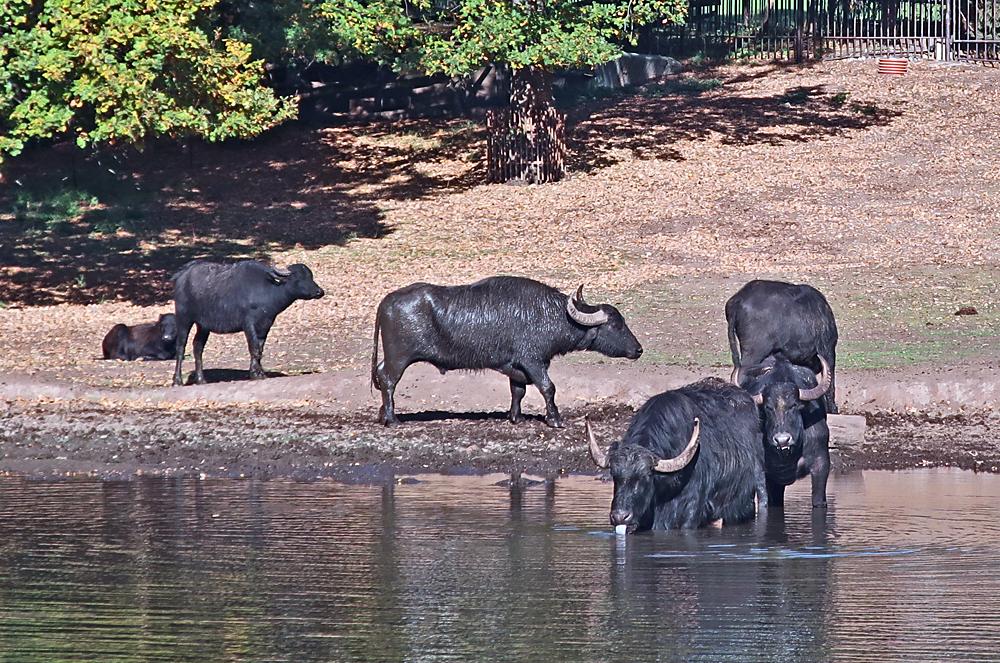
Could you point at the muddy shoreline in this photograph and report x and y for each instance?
(450, 425)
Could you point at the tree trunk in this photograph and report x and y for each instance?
(526, 140)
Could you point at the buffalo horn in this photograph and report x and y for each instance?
(823, 380)
(679, 462)
(586, 319)
(277, 274)
(599, 457)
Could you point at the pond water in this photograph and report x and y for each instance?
(902, 567)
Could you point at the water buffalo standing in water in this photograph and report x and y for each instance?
(152, 340)
(508, 324)
(691, 456)
(796, 438)
(771, 317)
(228, 298)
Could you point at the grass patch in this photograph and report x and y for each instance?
(868, 110)
(839, 99)
(53, 211)
(71, 212)
(682, 85)
(796, 96)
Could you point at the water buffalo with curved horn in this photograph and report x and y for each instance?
(768, 318)
(245, 296)
(509, 324)
(796, 438)
(690, 456)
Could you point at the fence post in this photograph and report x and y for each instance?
(800, 16)
(949, 40)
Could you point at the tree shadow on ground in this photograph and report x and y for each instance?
(649, 122)
(214, 375)
(443, 415)
(412, 159)
(115, 226)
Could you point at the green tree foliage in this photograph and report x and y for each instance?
(531, 38)
(114, 71)
(456, 37)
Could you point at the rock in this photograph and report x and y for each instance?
(633, 69)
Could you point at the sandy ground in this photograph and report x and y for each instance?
(884, 193)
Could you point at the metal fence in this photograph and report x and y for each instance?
(803, 29)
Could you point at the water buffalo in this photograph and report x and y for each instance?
(691, 456)
(153, 340)
(509, 324)
(227, 298)
(796, 438)
(770, 318)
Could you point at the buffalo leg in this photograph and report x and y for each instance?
(200, 339)
(820, 471)
(183, 329)
(517, 390)
(388, 374)
(255, 344)
(540, 378)
(775, 496)
(760, 491)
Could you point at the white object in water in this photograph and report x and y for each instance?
(620, 530)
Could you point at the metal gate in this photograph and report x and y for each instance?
(802, 29)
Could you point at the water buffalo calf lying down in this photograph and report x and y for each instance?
(508, 324)
(793, 424)
(241, 297)
(691, 456)
(774, 318)
(153, 340)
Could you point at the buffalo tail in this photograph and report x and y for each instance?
(375, 382)
(734, 344)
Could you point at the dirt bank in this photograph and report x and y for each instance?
(928, 390)
(322, 425)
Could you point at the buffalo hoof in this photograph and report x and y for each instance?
(515, 418)
(384, 420)
(199, 379)
(254, 375)
(554, 421)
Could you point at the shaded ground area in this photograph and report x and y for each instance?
(971, 442)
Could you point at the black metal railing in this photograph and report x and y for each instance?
(804, 29)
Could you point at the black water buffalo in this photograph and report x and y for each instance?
(509, 324)
(153, 340)
(691, 456)
(796, 438)
(771, 318)
(241, 297)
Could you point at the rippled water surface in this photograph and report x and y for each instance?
(902, 567)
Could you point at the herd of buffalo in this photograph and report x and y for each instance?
(708, 451)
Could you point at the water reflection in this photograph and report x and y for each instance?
(900, 567)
